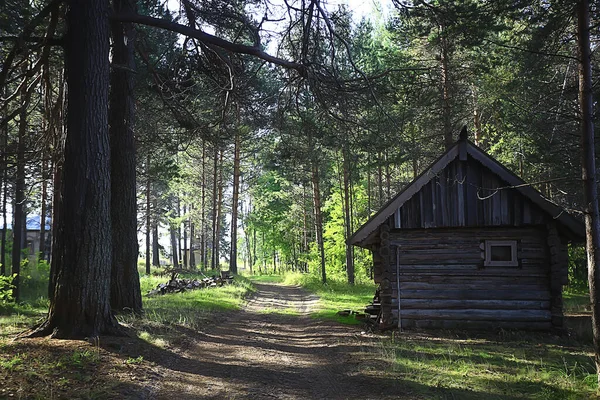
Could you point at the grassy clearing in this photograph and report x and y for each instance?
(511, 365)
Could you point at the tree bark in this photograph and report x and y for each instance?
(214, 253)
(42, 249)
(192, 243)
(234, 206)
(19, 199)
(348, 219)
(445, 70)
(318, 219)
(80, 306)
(148, 215)
(174, 252)
(125, 280)
(155, 249)
(4, 200)
(185, 249)
(588, 172)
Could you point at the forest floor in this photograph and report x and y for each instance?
(275, 348)
(270, 349)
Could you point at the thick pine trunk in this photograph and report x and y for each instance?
(588, 166)
(80, 306)
(234, 206)
(125, 281)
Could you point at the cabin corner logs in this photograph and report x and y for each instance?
(429, 252)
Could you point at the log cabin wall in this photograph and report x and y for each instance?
(444, 284)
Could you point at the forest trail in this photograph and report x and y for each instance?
(272, 349)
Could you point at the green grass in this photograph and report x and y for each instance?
(576, 303)
(265, 278)
(191, 308)
(506, 365)
(334, 296)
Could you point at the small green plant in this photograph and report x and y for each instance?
(135, 361)
(12, 363)
(83, 358)
(6, 288)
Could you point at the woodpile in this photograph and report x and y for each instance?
(179, 285)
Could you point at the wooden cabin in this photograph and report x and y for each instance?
(470, 245)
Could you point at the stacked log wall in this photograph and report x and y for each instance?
(444, 284)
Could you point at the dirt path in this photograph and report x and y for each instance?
(257, 353)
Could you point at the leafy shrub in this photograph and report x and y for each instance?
(6, 288)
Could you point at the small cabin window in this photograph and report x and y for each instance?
(501, 253)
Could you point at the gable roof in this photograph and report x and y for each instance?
(461, 149)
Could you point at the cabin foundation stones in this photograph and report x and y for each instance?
(469, 245)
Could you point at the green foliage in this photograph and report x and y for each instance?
(135, 361)
(578, 279)
(34, 279)
(6, 288)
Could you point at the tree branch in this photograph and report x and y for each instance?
(209, 39)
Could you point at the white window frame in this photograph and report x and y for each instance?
(514, 262)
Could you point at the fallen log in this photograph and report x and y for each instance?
(179, 285)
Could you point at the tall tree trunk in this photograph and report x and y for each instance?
(203, 258)
(19, 198)
(219, 210)
(215, 214)
(247, 237)
(4, 200)
(445, 71)
(174, 252)
(155, 246)
(125, 281)
(44, 211)
(179, 247)
(80, 306)
(185, 249)
(57, 183)
(380, 179)
(148, 215)
(234, 206)
(588, 170)
(192, 243)
(348, 219)
(318, 219)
